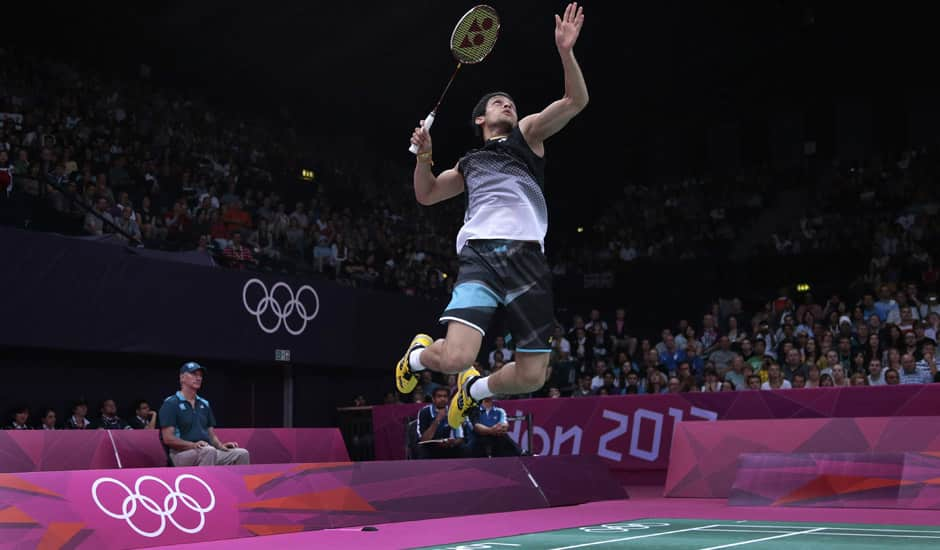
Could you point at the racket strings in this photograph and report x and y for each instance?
(475, 35)
(472, 40)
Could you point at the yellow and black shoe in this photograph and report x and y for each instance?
(461, 403)
(405, 379)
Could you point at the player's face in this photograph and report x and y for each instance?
(500, 109)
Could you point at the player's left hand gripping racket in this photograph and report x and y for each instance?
(472, 40)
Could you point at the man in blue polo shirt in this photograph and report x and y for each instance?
(490, 427)
(439, 439)
(187, 422)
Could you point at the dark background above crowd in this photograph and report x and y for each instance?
(686, 89)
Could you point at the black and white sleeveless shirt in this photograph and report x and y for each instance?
(504, 183)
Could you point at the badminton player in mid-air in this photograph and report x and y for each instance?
(501, 243)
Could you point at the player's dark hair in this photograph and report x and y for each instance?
(480, 108)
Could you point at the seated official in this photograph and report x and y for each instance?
(109, 419)
(48, 420)
(444, 441)
(187, 422)
(490, 428)
(145, 418)
(20, 419)
(79, 419)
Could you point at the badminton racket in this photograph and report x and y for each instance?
(472, 40)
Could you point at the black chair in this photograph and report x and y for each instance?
(411, 439)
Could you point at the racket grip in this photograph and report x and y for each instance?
(427, 126)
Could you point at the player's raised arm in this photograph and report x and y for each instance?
(428, 188)
(540, 126)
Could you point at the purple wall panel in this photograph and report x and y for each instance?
(634, 432)
(149, 507)
(704, 459)
(841, 480)
(35, 450)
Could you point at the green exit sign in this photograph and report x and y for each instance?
(282, 355)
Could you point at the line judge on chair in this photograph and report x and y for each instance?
(187, 422)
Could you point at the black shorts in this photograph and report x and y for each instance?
(511, 274)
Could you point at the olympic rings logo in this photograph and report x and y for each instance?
(170, 503)
(281, 313)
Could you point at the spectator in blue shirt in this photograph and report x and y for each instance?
(435, 436)
(187, 422)
(671, 355)
(910, 374)
(490, 427)
(885, 304)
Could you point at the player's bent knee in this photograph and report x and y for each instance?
(456, 360)
(455, 364)
(535, 384)
(530, 379)
(460, 348)
(531, 371)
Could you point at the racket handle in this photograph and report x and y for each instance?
(427, 126)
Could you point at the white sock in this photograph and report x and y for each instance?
(414, 360)
(480, 389)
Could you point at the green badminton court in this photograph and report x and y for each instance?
(675, 534)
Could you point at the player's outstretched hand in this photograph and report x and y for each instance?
(568, 27)
(421, 138)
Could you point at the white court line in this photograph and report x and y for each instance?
(740, 525)
(825, 534)
(871, 535)
(634, 537)
(808, 531)
(768, 532)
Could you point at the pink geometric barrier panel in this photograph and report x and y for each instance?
(704, 459)
(838, 480)
(285, 445)
(38, 450)
(133, 508)
(633, 432)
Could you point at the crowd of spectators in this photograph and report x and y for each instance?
(79, 417)
(886, 336)
(87, 153)
(153, 167)
(880, 328)
(884, 206)
(165, 169)
(692, 218)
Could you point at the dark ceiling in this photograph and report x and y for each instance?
(373, 69)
